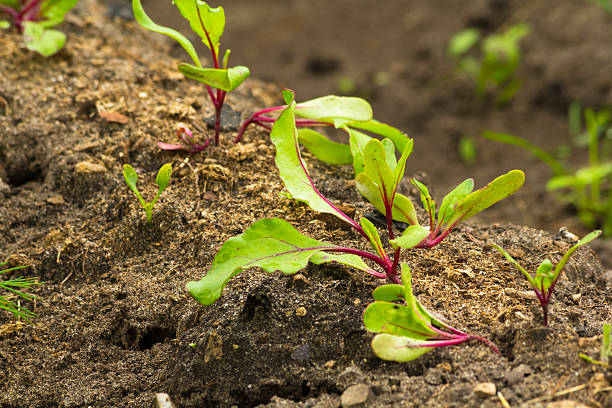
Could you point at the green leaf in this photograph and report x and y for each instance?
(428, 203)
(389, 293)
(403, 210)
(4, 24)
(357, 143)
(376, 167)
(43, 41)
(544, 277)
(224, 79)
(498, 189)
(323, 148)
(446, 210)
(387, 317)
(331, 107)
(556, 166)
(581, 178)
(374, 237)
(389, 149)
(144, 20)
(382, 129)
(606, 350)
(398, 348)
(163, 176)
(292, 168)
(271, 244)
(53, 11)
(205, 21)
(130, 176)
(411, 237)
(398, 172)
(461, 42)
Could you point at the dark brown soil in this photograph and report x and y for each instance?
(115, 323)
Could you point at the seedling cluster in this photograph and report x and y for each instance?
(274, 245)
(35, 19)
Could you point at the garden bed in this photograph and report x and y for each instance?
(116, 324)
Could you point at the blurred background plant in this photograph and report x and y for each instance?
(588, 188)
(494, 68)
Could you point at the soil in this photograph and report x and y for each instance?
(115, 323)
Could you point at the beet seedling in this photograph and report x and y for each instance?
(407, 332)
(545, 279)
(208, 23)
(353, 115)
(162, 180)
(274, 245)
(15, 287)
(34, 19)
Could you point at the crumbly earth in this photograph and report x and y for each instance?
(115, 323)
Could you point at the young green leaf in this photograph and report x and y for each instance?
(335, 107)
(271, 244)
(357, 143)
(205, 21)
(446, 210)
(4, 24)
(428, 203)
(374, 237)
(376, 167)
(382, 129)
(323, 148)
(389, 293)
(131, 179)
(544, 277)
(53, 11)
(224, 79)
(144, 20)
(461, 42)
(44, 41)
(410, 238)
(402, 349)
(163, 177)
(351, 260)
(498, 189)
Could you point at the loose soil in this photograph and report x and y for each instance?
(115, 323)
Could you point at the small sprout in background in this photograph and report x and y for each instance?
(162, 179)
(193, 345)
(468, 152)
(545, 279)
(34, 19)
(588, 188)
(499, 59)
(407, 332)
(16, 287)
(346, 85)
(605, 355)
(208, 23)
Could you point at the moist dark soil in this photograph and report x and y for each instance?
(115, 324)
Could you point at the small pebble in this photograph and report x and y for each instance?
(300, 311)
(517, 374)
(357, 396)
(485, 389)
